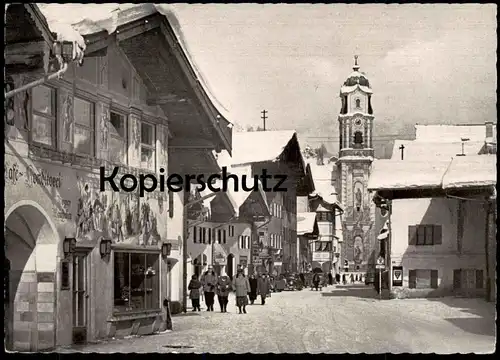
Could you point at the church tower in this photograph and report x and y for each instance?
(356, 155)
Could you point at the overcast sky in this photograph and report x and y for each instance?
(426, 63)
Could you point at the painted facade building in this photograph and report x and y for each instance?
(352, 171)
(274, 241)
(102, 114)
(440, 225)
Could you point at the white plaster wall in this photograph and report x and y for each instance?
(444, 257)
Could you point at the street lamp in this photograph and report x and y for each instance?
(105, 247)
(166, 248)
(69, 245)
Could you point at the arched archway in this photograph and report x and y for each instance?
(31, 247)
(230, 266)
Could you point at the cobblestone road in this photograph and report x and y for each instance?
(345, 319)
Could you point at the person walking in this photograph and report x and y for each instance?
(252, 295)
(263, 288)
(337, 278)
(242, 287)
(316, 279)
(270, 285)
(303, 279)
(330, 278)
(194, 292)
(352, 278)
(209, 280)
(344, 279)
(223, 288)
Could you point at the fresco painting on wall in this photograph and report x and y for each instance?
(104, 126)
(358, 249)
(122, 216)
(68, 118)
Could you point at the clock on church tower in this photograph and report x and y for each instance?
(354, 165)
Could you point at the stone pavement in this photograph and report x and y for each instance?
(336, 320)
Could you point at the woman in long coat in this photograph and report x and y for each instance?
(263, 288)
(209, 281)
(223, 289)
(194, 292)
(253, 288)
(242, 287)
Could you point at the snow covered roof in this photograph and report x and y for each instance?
(88, 19)
(349, 89)
(467, 171)
(322, 177)
(256, 146)
(238, 198)
(451, 133)
(407, 174)
(305, 223)
(419, 150)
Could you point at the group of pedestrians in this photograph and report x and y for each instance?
(353, 278)
(245, 288)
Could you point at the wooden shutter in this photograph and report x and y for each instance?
(479, 279)
(412, 279)
(437, 235)
(434, 279)
(170, 204)
(457, 279)
(412, 235)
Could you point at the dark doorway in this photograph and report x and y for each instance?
(230, 270)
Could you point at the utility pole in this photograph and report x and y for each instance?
(264, 117)
(402, 148)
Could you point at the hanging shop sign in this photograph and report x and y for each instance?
(397, 276)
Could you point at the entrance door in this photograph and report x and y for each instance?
(80, 297)
(230, 270)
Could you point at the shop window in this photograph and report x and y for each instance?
(136, 282)
(423, 279)
(84, 127)
(118, 138)
(43, 124)
(148, 146)
(422, 235)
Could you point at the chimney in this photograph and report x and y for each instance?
(489, 129)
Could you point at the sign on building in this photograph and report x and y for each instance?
(397, 276)
(219, 254)
(321, 256)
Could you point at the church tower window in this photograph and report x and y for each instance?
(358, 138)
(370, 110)
(358, 104)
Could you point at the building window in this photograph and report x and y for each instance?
(223, 236)
(204, 235)
(136, 282)
(243, 261)
(423, 279)
(231, 230)
(468, 279)
(202, 238)
(422, 235)
(84, 127)
(148, 146)
(321, 246)
(219, 236)
(209, 236)
(43, 124)
(358, 138)
(194, 233)
(118, 138)
(358, 104)
(244, 242)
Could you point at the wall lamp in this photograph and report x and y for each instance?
(105, 247)
(166, 248)
(69, 246)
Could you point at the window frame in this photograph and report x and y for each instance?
(129, 252)
(53, 117)
(92, 121)
(124, 117)
(148, 146)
